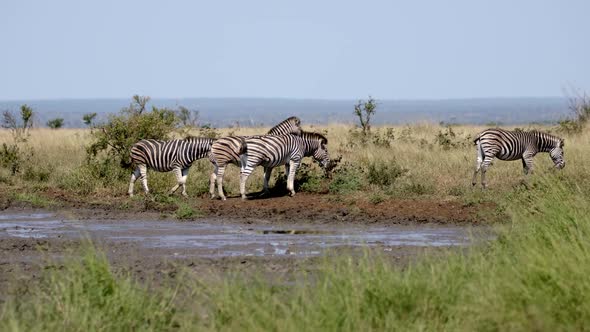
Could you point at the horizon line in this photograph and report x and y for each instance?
(282, 98)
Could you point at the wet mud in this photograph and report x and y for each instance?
(153, 248)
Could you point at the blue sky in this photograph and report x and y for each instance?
(293, 49)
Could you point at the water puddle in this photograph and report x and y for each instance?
(214, 239)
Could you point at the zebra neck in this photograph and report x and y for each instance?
(311, 147)
(545, 143)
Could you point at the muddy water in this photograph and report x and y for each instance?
(212, 238)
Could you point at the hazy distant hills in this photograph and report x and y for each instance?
(222, 112)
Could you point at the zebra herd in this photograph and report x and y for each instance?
(287, 144)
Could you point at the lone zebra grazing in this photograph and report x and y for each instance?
(513, 145)
(232, 150)
(164, 156)
(271, 151)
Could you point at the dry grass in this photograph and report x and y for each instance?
(432, 170)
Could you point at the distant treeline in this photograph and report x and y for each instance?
(225, 112)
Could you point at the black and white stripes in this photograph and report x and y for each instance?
(165, 156)
(232, 150)
(271, 151)
(514, 145)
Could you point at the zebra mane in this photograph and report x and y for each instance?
(560, 141)
(314, 136)
(199, 138)
(287, 123)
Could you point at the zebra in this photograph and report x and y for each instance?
(165, 156)
(271, 151)
(232, 149)
(513, 145)
(291, 125)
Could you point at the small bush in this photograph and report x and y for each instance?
(376, 198)
(383, 173)
(307, 179)
(88, 118)
(456, 191)
(185, 211)
(579, 106)
(346, 178)
(114, 139)
(55, 123)
(356, 138)
(10, 158)
(414, 188)
(34, 199)
(37, 173)
(448, 139)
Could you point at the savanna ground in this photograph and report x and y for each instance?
(533, 276)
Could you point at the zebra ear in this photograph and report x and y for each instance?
(562, 143)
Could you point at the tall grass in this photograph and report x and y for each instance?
(534, 276)
(433, 169)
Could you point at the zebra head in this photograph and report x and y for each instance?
(318, 144)
(557, 154)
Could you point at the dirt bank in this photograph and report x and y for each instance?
(308, 208)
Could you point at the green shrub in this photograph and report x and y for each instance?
(415, 188)
(384, 174)
(113, 140)
(55, 123)
(308, 178)
(185, 211)
(449, 139)
(346, 178)
(38, 173)
(10, 158)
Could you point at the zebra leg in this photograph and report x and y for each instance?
(527, 164)
(293, 166)
(244, 174)
(134, 177)
(487, 161)
(184, 174)
(220, 172)
(477, 164)
(212, 179)
(178, 174)
(267, 173)
(143, 178)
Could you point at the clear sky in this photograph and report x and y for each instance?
(295, 49)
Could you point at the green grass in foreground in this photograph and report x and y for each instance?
(533, 277)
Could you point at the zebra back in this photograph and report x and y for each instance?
(228, 150)
(510, 145)
(291, 125)
(165, 155)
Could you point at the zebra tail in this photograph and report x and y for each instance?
(476, 139)
(243, 146)
(126, 163)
